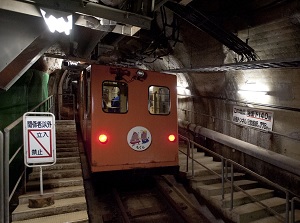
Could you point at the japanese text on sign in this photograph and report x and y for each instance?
(253, 117)
(39, 124)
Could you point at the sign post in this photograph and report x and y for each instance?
(39, 141)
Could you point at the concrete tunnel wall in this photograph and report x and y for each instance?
(273, 37)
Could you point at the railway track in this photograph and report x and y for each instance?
(142, 199)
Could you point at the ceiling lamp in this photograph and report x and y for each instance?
(57, 20)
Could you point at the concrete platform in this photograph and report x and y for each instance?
(240, 198)
(78, 217)
(216, 189)
(254, 211)
(23, 212)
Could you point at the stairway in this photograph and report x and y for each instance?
(209, 186)
(63, 180)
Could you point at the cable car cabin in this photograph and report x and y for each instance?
(129, 119)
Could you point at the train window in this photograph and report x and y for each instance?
(159, 100)
(114, 97)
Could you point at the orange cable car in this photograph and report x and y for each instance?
(129, 119)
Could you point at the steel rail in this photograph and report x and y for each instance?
(121, 206)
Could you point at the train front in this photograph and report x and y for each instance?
(133, 116)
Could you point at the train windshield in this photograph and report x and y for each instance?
(159, 100)
(114, 97)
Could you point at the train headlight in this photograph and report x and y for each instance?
(171, 138)
(103, 138)
(140, 73)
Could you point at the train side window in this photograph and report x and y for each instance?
(159, 100)
(114, 97)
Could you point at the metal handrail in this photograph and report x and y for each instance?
(233, 163)
(1, 179)
(48, 106)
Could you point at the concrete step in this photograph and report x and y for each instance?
(65, 122)
(62, 154)
(54, 183)
(66, 149)
(202, 159)
(65, 141)
(240, 198)
(183, 151)
(23, 212)
(63, 180)
(67, 145)
(212, 179)
(73, 217)
(216, 189)
(198, 169)
(62, 166)
(64, 127)
(66, 131)
(201, 171)
(276, 219)
(196, 155)
(254, 211)
(66, 136)
(58, 193)
(56, 174)
(68, 160)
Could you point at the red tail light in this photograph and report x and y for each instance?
(103, 138)
(171, 138)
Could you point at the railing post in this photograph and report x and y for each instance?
(287, 207)
(74, 105)
(193, 147)
(226, 169)
(1, 178)
(231, 190)
(187, 155)
(223, 178)
(6, 176)
(53, 109)
(293, 208)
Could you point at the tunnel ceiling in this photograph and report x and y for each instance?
(118, 31)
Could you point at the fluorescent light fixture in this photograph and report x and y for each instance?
(253, 90)
(249, 92)
(57, 24)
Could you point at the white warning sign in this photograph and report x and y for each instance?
(256, 118)
(39, 138)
